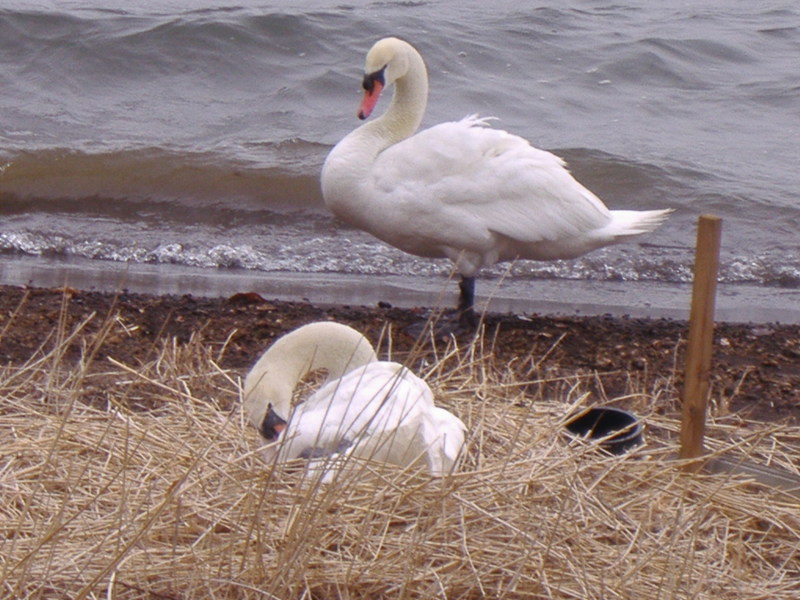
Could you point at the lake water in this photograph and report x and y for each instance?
(175, 146)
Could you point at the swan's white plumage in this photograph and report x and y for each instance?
(462, 190)
(380, 411)
(367, 408)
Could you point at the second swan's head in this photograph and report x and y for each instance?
(387, 61)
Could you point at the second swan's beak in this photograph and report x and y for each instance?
(373, 85)
(369, 101)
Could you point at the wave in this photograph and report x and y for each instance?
(122, 183)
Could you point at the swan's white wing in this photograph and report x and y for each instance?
(374, 411)
(461, 178)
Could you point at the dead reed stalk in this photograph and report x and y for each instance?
(124, 481)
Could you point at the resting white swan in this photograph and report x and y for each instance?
(460, 190)
(367, 408)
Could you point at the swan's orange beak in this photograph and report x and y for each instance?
(370, 100)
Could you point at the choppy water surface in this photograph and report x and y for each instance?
(180, 134)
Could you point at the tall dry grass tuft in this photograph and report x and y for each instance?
(142, 481)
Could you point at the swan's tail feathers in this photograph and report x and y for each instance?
(629, 223)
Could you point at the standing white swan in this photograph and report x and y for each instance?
(366, 408)
(460, 190)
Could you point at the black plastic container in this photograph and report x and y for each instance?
(617, 429)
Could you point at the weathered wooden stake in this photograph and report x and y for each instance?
(701, 332)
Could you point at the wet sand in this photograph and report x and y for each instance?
(564, 297)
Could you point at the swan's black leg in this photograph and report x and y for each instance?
(466, 302)
(467, 319)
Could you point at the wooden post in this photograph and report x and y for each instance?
(701, 332)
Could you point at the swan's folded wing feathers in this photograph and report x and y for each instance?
(381, 411)
(536, 201)
(441, 152)
(461, 172)
(366, 403)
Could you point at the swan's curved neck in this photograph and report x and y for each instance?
(336, 348)
(405, 112)
(292, 358)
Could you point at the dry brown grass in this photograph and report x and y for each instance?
(100, 498)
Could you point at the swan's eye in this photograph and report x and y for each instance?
(371, 78)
